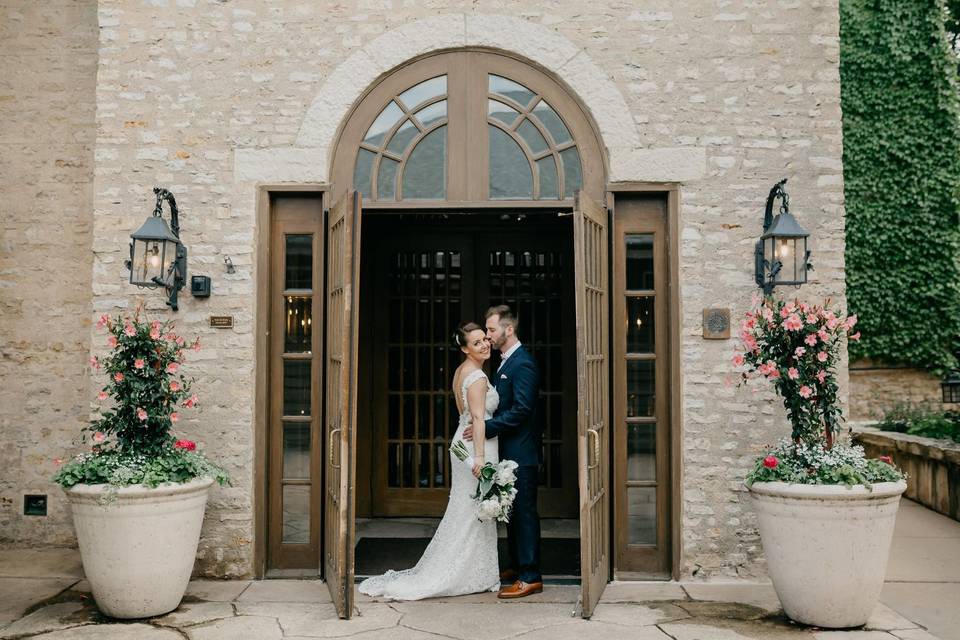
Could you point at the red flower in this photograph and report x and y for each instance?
(187, 445)
(886, 459)
(771, 462)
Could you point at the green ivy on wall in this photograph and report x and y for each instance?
(901, 157)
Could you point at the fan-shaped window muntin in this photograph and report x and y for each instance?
(392, 139)
(427, 113)
(540, 133)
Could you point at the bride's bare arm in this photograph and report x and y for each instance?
(476, 400)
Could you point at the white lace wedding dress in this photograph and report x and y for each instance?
(462, 556)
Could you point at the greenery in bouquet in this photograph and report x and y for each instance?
(495, 491)
(796, 347)
(132, 439)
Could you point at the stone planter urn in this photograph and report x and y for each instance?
(827, 547)
(138, 544)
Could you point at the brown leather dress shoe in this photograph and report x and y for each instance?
(509, 575)
(520, 589)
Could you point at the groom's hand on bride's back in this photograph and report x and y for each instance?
(468, 433)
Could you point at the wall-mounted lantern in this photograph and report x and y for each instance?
(157, 257)
(782, 257)
(951, 388)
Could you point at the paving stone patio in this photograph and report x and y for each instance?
(43, 595)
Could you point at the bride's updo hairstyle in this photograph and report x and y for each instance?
(460, 335)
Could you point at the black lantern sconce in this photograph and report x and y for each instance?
(951, 388)
(782, 257)
(157, 257)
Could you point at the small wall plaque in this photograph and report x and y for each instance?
(221, 322)
(716, 324)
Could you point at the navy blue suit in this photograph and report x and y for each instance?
(516, 425)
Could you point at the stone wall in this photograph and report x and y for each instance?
(48, 53)
(875, 388)
(207, 99)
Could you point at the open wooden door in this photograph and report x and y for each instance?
(343, 276)
(593, 435)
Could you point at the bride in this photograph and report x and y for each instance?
(462, 556)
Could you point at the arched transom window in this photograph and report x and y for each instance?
(468, 126)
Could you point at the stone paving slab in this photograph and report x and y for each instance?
(583, 629)
(19, 594)
(62, 615)
(321, 621)
(40, 563)
(286, 591)
(482, 621)
(758, 594)
(937, 605)
(642, 592)
(637, 615)
(238, 628)
(914, 634)
(884, 618)
(217, 590)
(193, 613)
(851, 635)
(113, 632)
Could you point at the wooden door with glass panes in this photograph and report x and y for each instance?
(296, 334)
(427, 282)
(642, 437)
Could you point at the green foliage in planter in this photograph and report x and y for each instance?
(805, 463)
(922, 420)
(132, 438)
(901, 126)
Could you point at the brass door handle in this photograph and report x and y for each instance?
(596, 448)
(333, 433)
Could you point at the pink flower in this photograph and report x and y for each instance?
(196, 344)
(821, 376)
(749, 323)
(172, 367)
(174, 417)
(738, 360)
(112, 342)
(99, 437)
(103, 321)
(823, 335)
(118, 377)
(855, 337)
(886, 459)
(94, 362)
(141, 414)
(179, 341)
(805, 391)
(832, 323)
(822, 356)
(138, 363)
(799, 351)
(771, 462)
(811, 339)
(775, 374)
(155, 333)
(793, 373)
(785, 311)
(793, 323)
(811, 318)
(174, 385)
(851, 322)
(191, 401)
(58, 461)
(767, 314)
(102, 396)
(188, 445)
(129, 330)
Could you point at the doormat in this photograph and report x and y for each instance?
(558, 556)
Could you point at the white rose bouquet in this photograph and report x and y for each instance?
(495, 489)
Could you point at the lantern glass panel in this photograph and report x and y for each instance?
(786, 254)
(169, 255)
(147, 262)
(768, 258)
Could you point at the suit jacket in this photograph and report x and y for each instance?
(516, 421)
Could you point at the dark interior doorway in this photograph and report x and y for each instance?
(421, 275)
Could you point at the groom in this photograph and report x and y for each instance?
(515, 423)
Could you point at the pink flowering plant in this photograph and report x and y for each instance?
(132, 439)
(796, 346)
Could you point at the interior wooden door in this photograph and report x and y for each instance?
(343, 276)
(593, 433)
(424, 289)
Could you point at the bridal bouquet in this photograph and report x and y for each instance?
(495, 491)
